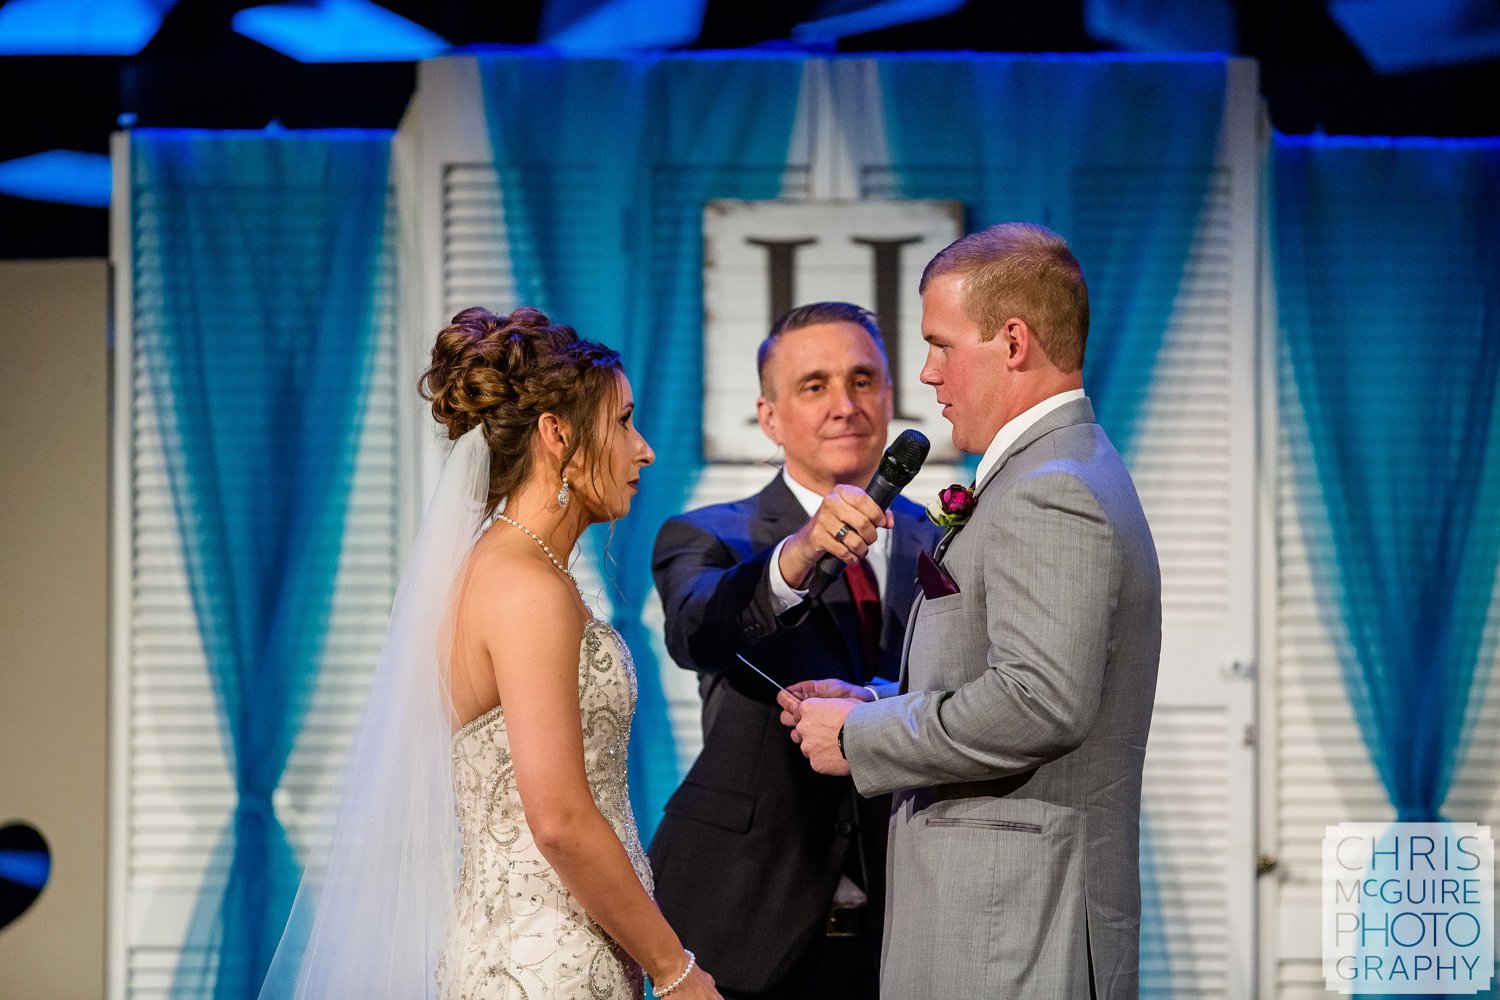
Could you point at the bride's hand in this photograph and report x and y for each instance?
(699, 985)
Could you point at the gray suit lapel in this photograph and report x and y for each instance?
(1079, 411)
(949, 534)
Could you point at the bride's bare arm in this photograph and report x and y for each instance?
(531, 624)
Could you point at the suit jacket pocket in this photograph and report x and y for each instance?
(942, 605)
(983, 812)
(719, 807)
(980, 823)
(978, 867)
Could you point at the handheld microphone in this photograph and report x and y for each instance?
(898, 467)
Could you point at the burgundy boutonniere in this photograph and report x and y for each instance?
(954, 506)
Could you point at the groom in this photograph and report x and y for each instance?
(1015, 738)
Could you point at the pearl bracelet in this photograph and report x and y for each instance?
(664, 990)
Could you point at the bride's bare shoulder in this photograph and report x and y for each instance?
(506, 579)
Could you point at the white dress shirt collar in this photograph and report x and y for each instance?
(808, 499)
(1011, 432)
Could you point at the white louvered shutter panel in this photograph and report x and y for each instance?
(171, 785)
(1323, 772)
(1195, 474)
(476, 254)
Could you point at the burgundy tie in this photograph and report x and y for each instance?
(866, 593)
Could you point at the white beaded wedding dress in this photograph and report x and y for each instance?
(517, 932)
(431, 887)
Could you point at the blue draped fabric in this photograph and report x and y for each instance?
(604, 167)
(1387, 277)
(256, 259)
(1116, 154)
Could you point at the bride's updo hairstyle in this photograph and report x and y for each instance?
(504, 372)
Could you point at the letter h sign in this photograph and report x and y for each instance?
(761, 258)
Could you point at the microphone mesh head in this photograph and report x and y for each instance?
(904, 458)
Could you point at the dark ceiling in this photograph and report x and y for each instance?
(197, 72)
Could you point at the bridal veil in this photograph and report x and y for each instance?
(370, 916)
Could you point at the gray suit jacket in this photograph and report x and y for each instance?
(1016, 756)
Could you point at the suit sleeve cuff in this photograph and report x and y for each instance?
(861, 734)
(783, 594)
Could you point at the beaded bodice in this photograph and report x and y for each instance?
(490, 816)
(507, 890)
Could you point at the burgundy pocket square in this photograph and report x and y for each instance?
(933, 579)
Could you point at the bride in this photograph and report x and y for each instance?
(485, 846)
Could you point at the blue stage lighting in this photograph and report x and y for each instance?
(330, 31)
(79, 27)
(1397, 36)
(1162, 25)
(59, 175)
(835, 19)
(615, 25)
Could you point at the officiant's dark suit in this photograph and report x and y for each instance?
(754, 845)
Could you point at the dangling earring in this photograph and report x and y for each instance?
(562, 494)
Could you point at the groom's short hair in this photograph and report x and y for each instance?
(1023, 270)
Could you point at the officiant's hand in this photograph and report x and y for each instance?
(844, 525)
(817, 730)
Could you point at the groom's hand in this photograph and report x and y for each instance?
(817, 732)
(830, 687)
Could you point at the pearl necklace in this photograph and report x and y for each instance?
(498, 516)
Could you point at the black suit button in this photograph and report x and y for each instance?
(845, 827)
